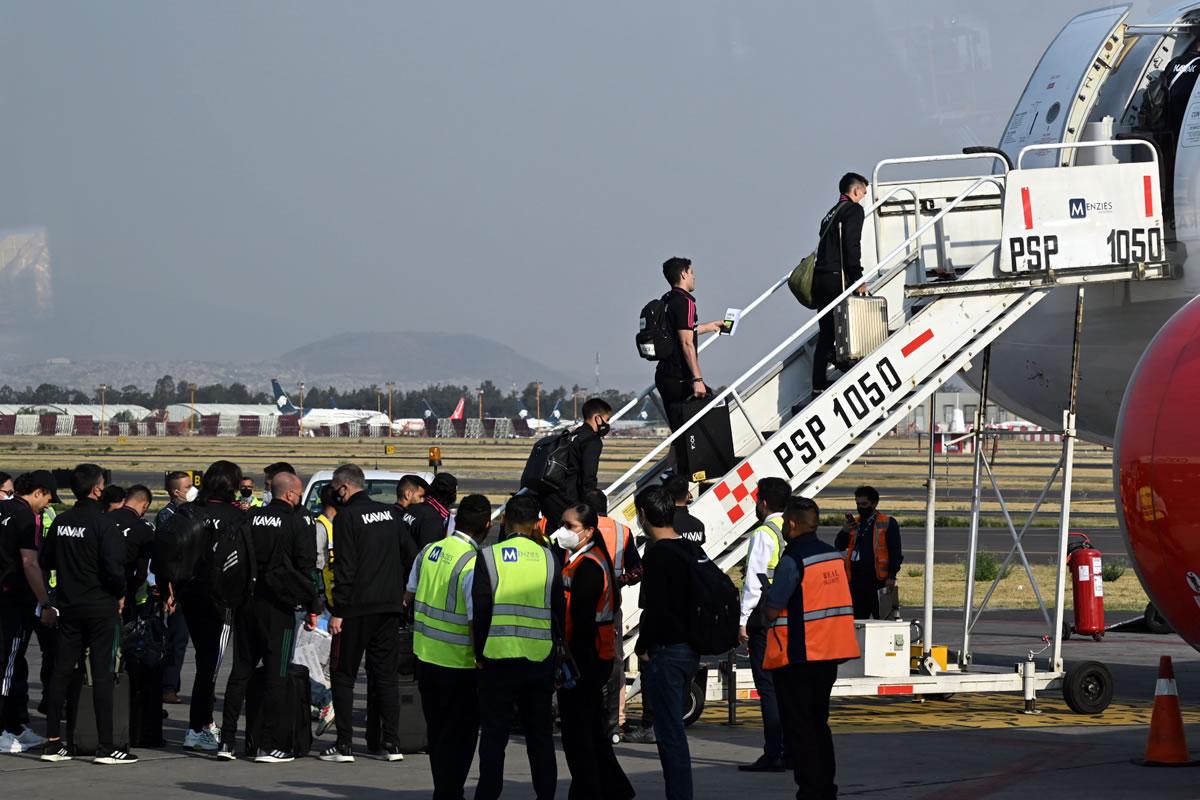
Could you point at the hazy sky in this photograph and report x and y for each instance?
(217, 177)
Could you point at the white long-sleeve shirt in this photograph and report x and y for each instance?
(762, 546)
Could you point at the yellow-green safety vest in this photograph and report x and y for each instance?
(441, 633)
(777, 546)
(522, 576)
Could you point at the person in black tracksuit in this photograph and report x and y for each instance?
(22, 589)
(839, 264)
(369, 576)
(139, 541)
(429, 521)
(265, 627)
(87, 551)
(583, 465)
(216, 507)
(678, 378)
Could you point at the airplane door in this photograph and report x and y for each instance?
(1065, 85)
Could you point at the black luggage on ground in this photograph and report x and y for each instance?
(81, 712)
(298, 707)
(411, 730)
(705, 451)
(145, 705)
(408, 658)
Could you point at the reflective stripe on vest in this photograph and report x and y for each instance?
(605, 633)
(614, 534)
(522, 576)
(828, 616)
(440, 631)
(880, 545)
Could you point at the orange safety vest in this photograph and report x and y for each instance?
(605, 631)
(828, 615)
(880, 545)
(614, 534)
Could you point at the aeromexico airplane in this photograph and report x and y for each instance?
(315, 418)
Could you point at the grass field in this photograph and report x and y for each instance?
(896, 467)
(1014, 591)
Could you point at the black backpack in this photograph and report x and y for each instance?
(144, 638)
(548, 464)
(1152, 115)
(232, 569)
(655, 339)
(716, 608)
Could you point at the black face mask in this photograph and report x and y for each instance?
(602, 429)
(247, 492)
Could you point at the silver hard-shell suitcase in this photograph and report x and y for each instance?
(860, 326)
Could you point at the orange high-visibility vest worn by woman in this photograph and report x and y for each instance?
(823, 609)
(605, 631)
(879, 544)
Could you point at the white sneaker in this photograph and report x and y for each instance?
(324, 720)
(214, 730)
(10, 744)
(200, 740)
(30, 739)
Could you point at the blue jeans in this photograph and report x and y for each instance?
(667, 681)
(765, 684)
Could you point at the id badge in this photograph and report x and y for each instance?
(855, 555)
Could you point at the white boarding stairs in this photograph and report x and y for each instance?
(1038, 229)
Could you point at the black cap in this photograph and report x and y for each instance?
(44, 479)
(444, 486)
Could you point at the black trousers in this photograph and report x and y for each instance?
(595, 772)
(16, 626)
(803, 693)
(377, 636)
(450, 703)
(826, 287)
(674, 392)
(262, 633)
(98, 636)
(177, 640)
(864, 594)
(206, 626)
(529, 687)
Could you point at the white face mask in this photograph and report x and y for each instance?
(191, 494)
(565, 538)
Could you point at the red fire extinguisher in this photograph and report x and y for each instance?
(1087, 583)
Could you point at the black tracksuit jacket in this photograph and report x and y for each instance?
(373, 554)
(88, 552)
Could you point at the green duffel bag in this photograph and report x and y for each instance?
(801, 280)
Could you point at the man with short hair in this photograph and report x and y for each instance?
(281, 537)
(766, 547)
(686, 525)
(410, 492)
(812, 632)
(431, 517)
(583, 460)
(269, 473)
(139, 540)
(246, 499)
(678, 378)
(517, 618)
(180, 490)
(871, 543)
(112, 498)
(838, 265)
(368, 597)
(22, 591)
(668, 662)
(439, 590)
(87, 552)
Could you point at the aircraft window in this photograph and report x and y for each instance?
(1052, 114)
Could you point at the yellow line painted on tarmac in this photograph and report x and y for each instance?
(976, 712)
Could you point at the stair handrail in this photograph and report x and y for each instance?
(771, 290)
(803, 329)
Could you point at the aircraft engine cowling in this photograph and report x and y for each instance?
(1156, 471)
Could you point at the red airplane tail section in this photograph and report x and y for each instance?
(460, 409)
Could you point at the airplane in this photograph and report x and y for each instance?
(639, 421)
(1093, 75)
(550, 424)
(417, 426)
(315, 418)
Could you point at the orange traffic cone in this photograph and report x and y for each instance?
(1166, 745)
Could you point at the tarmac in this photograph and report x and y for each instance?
(967, 746)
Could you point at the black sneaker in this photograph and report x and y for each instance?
(763, 764)
(338, 754)
(389, 752)
(274, 757)
(55, 751)
(115, 756)
(225, 752)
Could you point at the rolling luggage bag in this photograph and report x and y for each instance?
(297, 710)
(81, 711)
(145, 705)
(705, 451)
(411, 730)
(860, 325)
